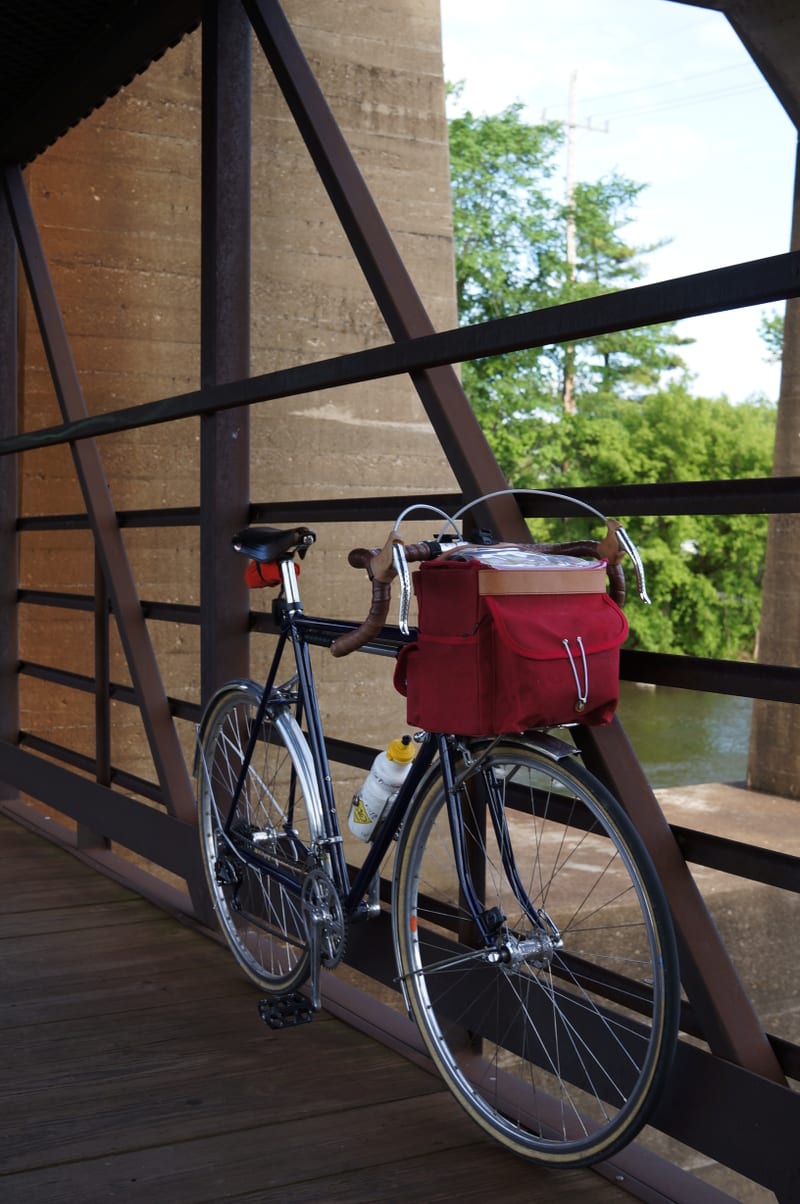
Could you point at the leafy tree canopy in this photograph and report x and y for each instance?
(510, 236)
(771, 331)
(704, 571)
(635, 417)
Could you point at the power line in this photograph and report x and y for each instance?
(667, 83)
(666, 105)
(694, 99)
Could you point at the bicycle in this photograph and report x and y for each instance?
(533, 942)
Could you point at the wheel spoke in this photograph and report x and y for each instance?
(557, 1041)
(259, 911)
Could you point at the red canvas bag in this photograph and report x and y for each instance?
(507, 650)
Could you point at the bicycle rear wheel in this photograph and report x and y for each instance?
(557, 1038)
(255, 870)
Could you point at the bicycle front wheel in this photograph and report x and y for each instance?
(256, 858)
(557, 1035)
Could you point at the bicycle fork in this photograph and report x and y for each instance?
(476, 793)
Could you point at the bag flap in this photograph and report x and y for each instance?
(536, 627)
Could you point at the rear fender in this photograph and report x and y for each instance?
(280, 712)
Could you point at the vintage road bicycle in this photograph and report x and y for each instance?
(533, 942)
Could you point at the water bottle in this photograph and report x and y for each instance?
(386, 776)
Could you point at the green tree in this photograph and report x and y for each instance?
(771, 331)
(636, 419)
(705, 570)
(628, 362)
(511, 257)
(508, 249)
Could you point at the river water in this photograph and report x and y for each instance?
(682, 737)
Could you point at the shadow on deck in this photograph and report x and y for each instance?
(137, 1068)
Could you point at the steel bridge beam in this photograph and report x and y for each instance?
(9, 490)
(224, 337)
(143, 666)
(754, 283)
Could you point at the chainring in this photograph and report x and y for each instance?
(322, 905)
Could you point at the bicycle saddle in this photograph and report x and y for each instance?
(267, 544)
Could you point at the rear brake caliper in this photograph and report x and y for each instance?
(226, 872)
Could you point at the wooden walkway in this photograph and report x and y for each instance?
(135, 1068)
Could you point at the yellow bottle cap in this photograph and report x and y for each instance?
(401, 750)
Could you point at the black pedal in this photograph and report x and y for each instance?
(286, 1012)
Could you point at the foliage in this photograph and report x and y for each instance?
(771, 331)
(510, 251)
(636, 419)
(704, 571)
(510, 236)
(507, 246)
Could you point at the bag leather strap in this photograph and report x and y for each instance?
(514, 582)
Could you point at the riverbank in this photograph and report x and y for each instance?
(733, 811)
(759, 925)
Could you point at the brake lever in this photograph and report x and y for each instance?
(627, 544)
(401, 567)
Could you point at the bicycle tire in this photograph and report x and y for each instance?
(276, 825)
(561, 1061)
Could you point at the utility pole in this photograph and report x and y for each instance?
(568, 396)
(568, 392)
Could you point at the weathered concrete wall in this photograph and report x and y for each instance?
(118, 205)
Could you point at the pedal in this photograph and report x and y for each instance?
(286, 1012)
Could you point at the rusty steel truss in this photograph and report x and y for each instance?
(737, 1070)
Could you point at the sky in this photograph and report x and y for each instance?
(672, 100)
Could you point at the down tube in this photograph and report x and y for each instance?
(400, 807)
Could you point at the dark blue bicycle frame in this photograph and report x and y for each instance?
(302, 632)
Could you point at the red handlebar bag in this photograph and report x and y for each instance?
(506, 650)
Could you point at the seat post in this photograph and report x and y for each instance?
(291, 590)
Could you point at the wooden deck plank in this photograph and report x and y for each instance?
(365, 1147)
(187, 1078)
(136, 1068)
(37, 874)
(41, 918)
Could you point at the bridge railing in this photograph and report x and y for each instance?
(728, 1068)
